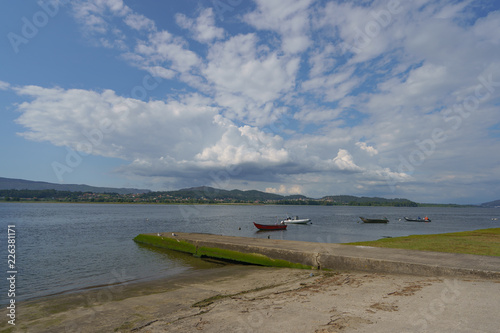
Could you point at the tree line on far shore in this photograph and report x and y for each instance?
(194, 196)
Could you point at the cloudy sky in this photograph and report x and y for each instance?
(384, 98)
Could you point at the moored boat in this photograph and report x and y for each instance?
(365, 220)
(418, 219)
(295, 220)
(270, 226)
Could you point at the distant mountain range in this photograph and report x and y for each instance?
(206, 193)
(214, 194)
(219, 194)
(21, 184)
(495, 203)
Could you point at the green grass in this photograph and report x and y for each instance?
(481, 242)
(250, 258)
(202, 251)
(166, 243)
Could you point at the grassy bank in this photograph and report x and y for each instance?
(210, 252)
(482, 242)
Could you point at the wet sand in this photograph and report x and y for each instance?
(237, 298)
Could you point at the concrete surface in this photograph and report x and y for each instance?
(349, 257)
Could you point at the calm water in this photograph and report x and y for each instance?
(69, 247)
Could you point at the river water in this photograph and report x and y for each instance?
(63, 248)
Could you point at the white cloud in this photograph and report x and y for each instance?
(238, 69)
(4, 85)
(450, 11)
(203, 28)
(101, 7)
(369, 149)
(290, 19)
(335, 86)
(317, 115)
(127, 128)
(364, 32)
(159, 71)
(241, 66)
(239, 145)
(322, 61)
(172, 137)
(160, 53)
(139, 22)
(344, 161)
(163, 47)
(484, 29)
(91, 13)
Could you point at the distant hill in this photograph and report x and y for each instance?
(210, 193)
(21, 184)
(20, 189)
(353, 200)
(206, 192)
(495, 203)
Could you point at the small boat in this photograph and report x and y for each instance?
(365, 220)
(295, 220)
(418, 219)
(270, 226)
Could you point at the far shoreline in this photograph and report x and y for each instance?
(420, 205)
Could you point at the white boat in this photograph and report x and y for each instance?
(295, 220)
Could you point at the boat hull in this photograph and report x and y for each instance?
(416, 220)
(270, 226)
(301, 221)
(365, 220)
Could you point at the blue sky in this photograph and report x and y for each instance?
(370, 98)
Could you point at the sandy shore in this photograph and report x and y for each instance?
(258, 299)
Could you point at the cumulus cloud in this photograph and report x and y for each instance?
(172, 137)
(125, 128)
(344, 161)
(244, 144)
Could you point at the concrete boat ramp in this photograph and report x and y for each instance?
(338, 257)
